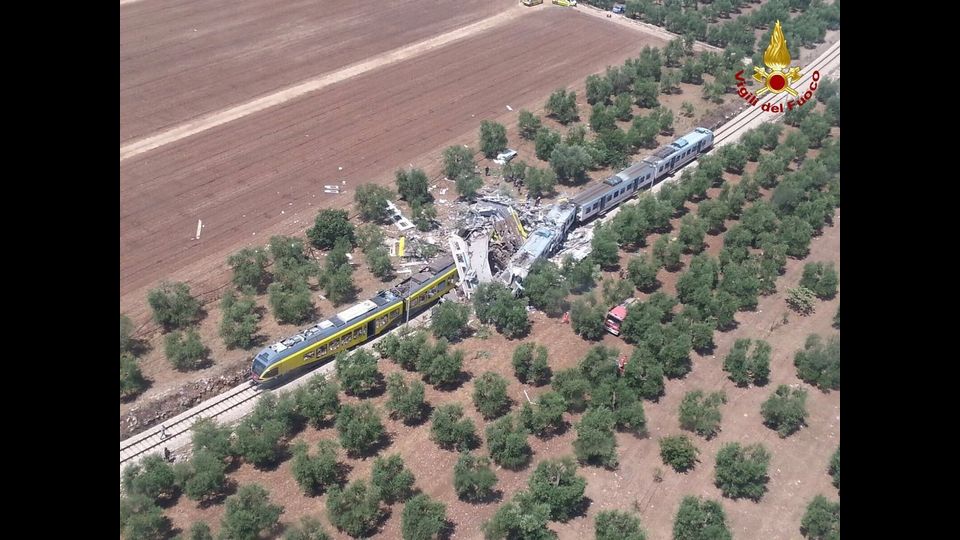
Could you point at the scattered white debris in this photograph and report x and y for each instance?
(339, 168)
(509, 108)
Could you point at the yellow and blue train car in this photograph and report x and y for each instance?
(357, 324)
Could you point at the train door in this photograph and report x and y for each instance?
(603, 202)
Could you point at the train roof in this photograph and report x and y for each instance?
(692, 138)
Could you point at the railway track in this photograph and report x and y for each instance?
(176, 429)
(743, 120)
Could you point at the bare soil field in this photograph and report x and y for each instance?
(184, 58)
(264, 174)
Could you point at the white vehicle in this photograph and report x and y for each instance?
(505, 156)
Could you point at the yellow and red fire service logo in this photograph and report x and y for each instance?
(777, 77)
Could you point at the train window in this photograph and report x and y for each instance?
(270, 373)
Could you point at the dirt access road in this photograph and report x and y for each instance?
(264, 174)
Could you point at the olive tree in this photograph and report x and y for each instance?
(249, 513)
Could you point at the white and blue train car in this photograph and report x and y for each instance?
(599, 198)
(680, 152)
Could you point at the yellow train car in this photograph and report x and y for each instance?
(357, 324)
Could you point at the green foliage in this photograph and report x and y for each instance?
(440, 366)
(602, 119)
(599, 89)
(744, 369)
(291, 302)
(742, 471)
(595, 441)
(521, 517)
(450, 320)
(644, 373)
(545, 141)
(318, 400)
(249, 269)
(406, 401)
(315, 473)
(835, 468)
(378, 259)
(207, 435)
(329, 226)
(450, 429)
(785, 410)
(604, 248)
(616, 291)
(424, 216)
(700, 519)
(540, 182)
(623, 108)
(493, 138)
(507, 442)
(581, 275)
(239, 322)
(494, 303)
(358, 372)
(200, 531)
(545, 287)
(359, 427)
(153, 477)
(587, 317)
(701, 414)
(371, 199)
(643, 131)
(403, 347)
(141, 518)
(185, 351)
(128, 343)
(679, 453)
(819, 363)
(309, 528)
(642, 272)
(204, 476)
(545, 416)
(423, 519)
(687, 109)
(801, 300)
(734, 158)
(571, 384)
(692, 231)
(562, 106)
(645, 94)
(131, 379)
(556, 483)
(259, 441)
(472, 478)
(249, 513)
(667, 253)
(618, 525)
(458, 161)
(821, 279)
(816, 127)
(528, 124)
(392, 479)
(490, 395)
(530, 364)
(172, 305)
(413, 186)
(570, 162)
(355, 510)
(468, 185)
(821, 520)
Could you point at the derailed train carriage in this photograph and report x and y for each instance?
(602, 197)
(357, 324)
